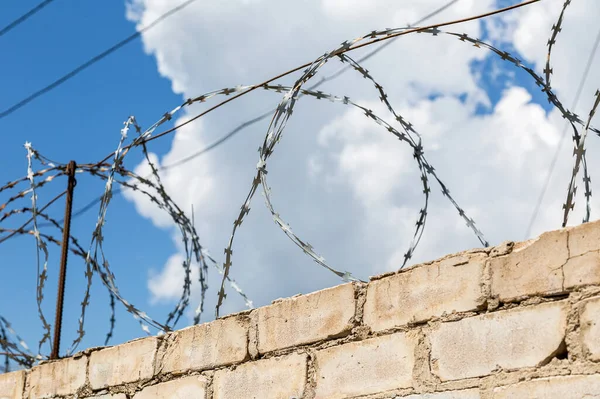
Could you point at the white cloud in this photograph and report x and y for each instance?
(167, 285)
(342, 182)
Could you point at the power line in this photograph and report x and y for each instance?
(564, 135)
(24, 17)
(92, 61)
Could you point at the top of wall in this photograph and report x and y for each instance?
(402, 312)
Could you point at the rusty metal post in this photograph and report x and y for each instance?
(70, 171)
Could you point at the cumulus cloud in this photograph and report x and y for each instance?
(345, 184)
(166, 284)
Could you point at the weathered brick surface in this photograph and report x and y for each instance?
(305, 319)
(274, 378)
(366, 367)
(533, 269)
(57, 378)
(193, 387)
(292, 348)
(425, 291)
(582, 270)
(584, 238)
(125, 363)
(571, 387)
(12, 384)
(209, 345)
(464, 394)
(511, 339)
(590, 328)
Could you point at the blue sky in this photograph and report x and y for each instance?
(187, 55)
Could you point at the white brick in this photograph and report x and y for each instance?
(121, 364)
(582, 270)
(512, 339)
(584, 238)
(365, 367)
(534, 268)
(590, 328)
(59, 378)
(571, 387)
(465, 394)
(193, 387)
(205, 346)
(12, 384)
(274, 378)
(424, 292)
(305, 319)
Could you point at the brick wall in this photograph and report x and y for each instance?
(521, 320)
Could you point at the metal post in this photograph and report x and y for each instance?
(70, 171)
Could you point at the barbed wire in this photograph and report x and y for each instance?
(40, 246)
(17, 351)
(95, 258)
(574, 104)
(91, 257)
(114, 173)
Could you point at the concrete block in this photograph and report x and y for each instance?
(121, 364)
(205, 346)
(305, 319)
(192, 387)
(584, 238)
(424, 292)
(533, 269)
(59, 378)
(582, 270)
(590, 328)
(512, 339)
(274, 378)
(366, 367)
(12, 384)
(571, 387)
